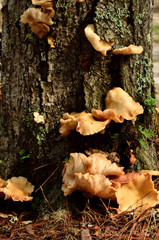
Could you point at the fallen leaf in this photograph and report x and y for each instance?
(29, 229)
(85, 234)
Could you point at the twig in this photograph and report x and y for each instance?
(49, 177)
(46, 199)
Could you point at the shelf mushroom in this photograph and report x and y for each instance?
(119, 106)
(131, 49)
(98, 44)
(138, 193)
(17, 188)
(83, 122)
(38, 20)
(90, 175)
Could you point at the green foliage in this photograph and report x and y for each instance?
(143, 143)
(67, 159)
(1, 161)
(115, 135)
(150, 104)
(145, 134)
(28, 37)
(13, 219)
(23, 154)
(40, 135)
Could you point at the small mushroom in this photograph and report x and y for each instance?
(139, 194)
(119, 106)
(18, 188)
(38, 118)
(131, 49)
(98, 44)
(51, 41)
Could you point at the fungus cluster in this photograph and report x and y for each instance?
(17, 188)
(39, 19)
(119, 106)
(103, 46)
(95, 175)
(88, 174)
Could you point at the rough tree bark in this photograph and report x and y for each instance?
(54, 81)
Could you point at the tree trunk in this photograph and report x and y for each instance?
(54, 81)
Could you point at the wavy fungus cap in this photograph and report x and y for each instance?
(35, 15)
(95, 164)
(119, 106)
(138, 193)
(83, 122)
(131, 49)
(98, 44)
(19, 189)
(96, 185)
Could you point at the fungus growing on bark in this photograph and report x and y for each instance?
(119, 106)
(131, 49)
(138, 193)
(38, 118)
(18, 188)
(35, 15)
(38, 20)
(83, 122)
(82, 172)
(47, 6)
(98, 44)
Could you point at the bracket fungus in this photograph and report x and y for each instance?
(17, 188)
(83, 122)
(38, 20)
(138, 193)
(98, 44)
(96, 185)
(90, 175)
(131, 49)
(119, 106)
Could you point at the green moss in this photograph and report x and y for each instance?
(112, 21)
(144, 74)
(139, 18)
(38, 130)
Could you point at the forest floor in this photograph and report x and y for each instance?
(100, 222)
